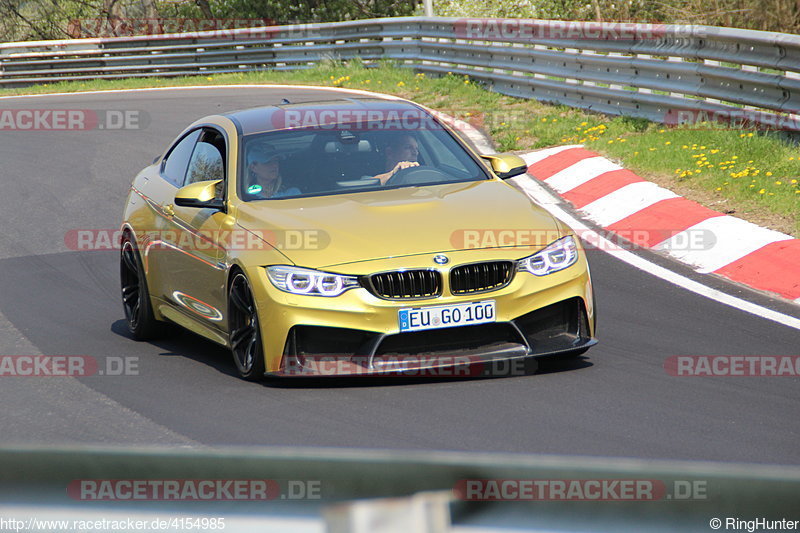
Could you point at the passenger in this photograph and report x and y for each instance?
(263, 168)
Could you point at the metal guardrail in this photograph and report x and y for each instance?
(49, 479)
(658, 72)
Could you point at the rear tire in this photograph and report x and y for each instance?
(245, 332)
(135, 297)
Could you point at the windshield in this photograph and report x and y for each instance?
(342, 159)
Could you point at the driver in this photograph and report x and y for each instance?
(402, 153)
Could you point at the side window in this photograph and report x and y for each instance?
(174, 168)
(208, 159)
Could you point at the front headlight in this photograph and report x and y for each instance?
(298, 280)
(558, 256)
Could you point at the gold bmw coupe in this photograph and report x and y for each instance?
(348, 233)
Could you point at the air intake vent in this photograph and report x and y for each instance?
(405, 284)
(480, 277)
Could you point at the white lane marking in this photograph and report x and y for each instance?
(625, 201)
(732, 239)
(580, 173)
(534, 157)
(195, 87)
(543, 197)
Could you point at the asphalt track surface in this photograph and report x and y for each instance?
(617, 400)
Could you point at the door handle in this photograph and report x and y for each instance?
(169, 210)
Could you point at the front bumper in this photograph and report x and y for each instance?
(482, 350)
(357, 333)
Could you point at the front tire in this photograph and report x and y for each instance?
(245, 333)
(135, 297)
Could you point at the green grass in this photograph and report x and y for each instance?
(752, 172)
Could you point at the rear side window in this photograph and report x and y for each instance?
(174, 169)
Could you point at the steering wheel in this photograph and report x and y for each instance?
(415, 175)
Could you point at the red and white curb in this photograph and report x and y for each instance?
(622, 202)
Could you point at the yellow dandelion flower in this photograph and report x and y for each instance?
(668, 143)
(762, 191)
(779, 183)
(769, 174)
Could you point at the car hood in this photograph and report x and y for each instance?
(328, 231)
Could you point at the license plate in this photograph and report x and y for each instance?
(446, 316)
